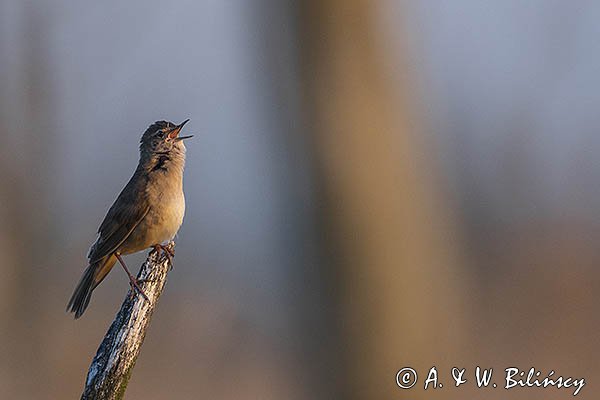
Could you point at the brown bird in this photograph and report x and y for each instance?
(147, 212)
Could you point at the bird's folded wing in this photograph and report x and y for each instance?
(126, 213)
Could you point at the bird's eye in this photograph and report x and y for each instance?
(160, 134)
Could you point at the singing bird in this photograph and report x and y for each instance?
(147, 213)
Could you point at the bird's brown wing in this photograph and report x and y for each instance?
(126, 213)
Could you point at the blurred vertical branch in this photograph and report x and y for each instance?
(27, 107)
(390, 237)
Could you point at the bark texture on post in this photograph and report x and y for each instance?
(111, 368)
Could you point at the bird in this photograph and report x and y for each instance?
(147, 213)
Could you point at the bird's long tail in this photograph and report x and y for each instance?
(92, 276)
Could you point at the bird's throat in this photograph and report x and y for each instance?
(161, 163)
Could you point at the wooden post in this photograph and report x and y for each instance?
(113, 364)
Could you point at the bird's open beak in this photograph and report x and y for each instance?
(174, 134)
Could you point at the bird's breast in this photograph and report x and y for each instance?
(167, 214)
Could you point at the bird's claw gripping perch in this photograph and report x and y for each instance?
(167, 250)
(133, 282)
(135, 287)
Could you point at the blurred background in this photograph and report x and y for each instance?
(372, 185)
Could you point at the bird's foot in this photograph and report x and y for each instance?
(167, 250)
(135, 287)
(133, 282)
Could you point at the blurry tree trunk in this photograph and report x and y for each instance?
(113, 364)
(396, 269)
(27, 161)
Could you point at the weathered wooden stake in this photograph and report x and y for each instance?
(111, 368)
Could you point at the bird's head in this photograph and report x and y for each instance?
(162, 137)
